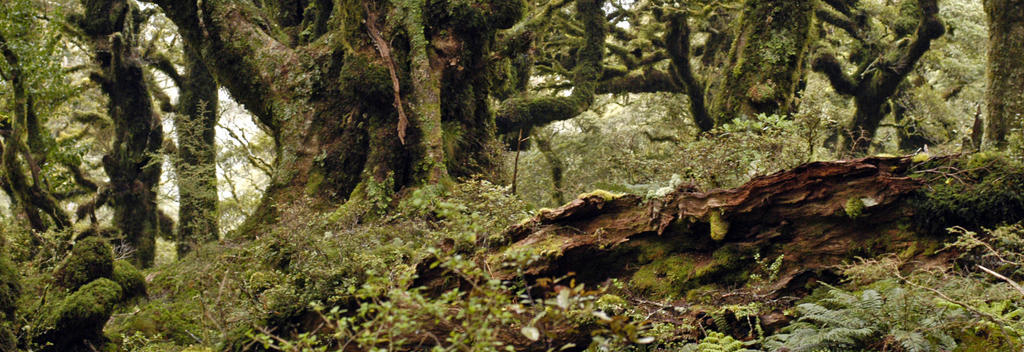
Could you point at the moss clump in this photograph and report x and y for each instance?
(129, 278)
(665, 277)
(91, 258)
(920, 157)
(854, 207)
(600, 193)
(78, 320)
(988, 191)
(10, 289)
(719, 227)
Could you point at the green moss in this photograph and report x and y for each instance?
(719, 227)
(600, 193)
(80, 317)
(313, 183)
(665, 277)
(129, 278)
(91, 258)
(988, 191)
(854, 207)
(920, 157)
(10, 290)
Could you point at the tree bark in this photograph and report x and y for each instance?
(1005, 95)
(195, 165)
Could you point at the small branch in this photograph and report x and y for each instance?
(1004, 278)
(385, 53)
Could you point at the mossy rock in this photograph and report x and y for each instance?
(132, 283)
(79, 319)
(91, 258)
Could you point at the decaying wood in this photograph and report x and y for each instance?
(800, 213)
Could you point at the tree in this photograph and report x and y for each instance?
(355, 102)
(880, 68)
(1005, 96)
(29, 71)
(195, 155)
(111, 30)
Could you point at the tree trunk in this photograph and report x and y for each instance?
(354, 117)
(1005, 96)
(195, 164)
(767, 60)
(132, 164)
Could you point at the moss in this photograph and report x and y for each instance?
(79, 319)
(600, 193)
(920, 157)
(665, 277)
(129, 278)
(854, 207)
(10, 290)
(986, 337)
(91, 258)
(313, 182)
(719, 227)
(988, 191)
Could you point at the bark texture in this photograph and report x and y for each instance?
(767, 60)
(1005, 96)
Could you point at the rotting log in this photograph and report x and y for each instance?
(817, 215)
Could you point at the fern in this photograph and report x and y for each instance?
(844, 321)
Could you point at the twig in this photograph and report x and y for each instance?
(1004, 278)
(385, 53)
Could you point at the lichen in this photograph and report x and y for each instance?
(719, 227)
(600, 193)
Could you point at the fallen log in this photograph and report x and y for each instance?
(811, 218)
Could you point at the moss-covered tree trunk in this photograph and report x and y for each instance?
(132, 164)
(353, 117)
(28, 192)
(1005, 96)
(767, 59)
(196, 159)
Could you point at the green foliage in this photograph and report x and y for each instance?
(854, 207)
(869, 320)
(719, 226)
(716, 342)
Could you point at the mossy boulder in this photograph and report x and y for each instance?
(91, 258)
(77, 321)
(129, 278)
